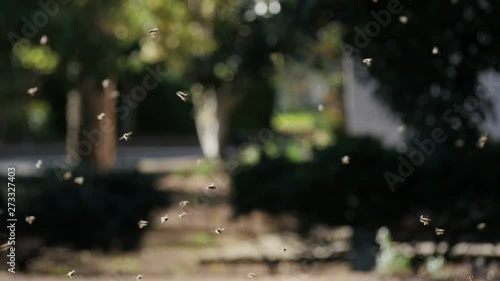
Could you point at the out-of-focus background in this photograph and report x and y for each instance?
(313, 140)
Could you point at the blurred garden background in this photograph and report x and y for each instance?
(312, 139)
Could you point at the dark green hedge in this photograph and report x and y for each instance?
(458, 187)
(100, 214)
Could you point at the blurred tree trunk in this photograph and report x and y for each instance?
(97, 145)
(73, 123)
(212, 113)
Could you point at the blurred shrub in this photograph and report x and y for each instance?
(100, 214)
(457, 187)
(389, 260)
(323, 189)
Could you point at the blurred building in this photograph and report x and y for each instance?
(365, 115)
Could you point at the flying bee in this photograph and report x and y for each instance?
(471, 278)
(78, 180)
(32, 91)
(139, 277)
(403, 19)
(38, 164)
(153, 32)
(439, 231)
(126, 136)
(183, 214)
(482, 141)
(345, 160)
(70, 274)
(30, 219)
(425, 220)
(367, 61)
(251, 275)
(101, 116)
(105, 83)
(67, 175)
(435, 51)
(164, 219)
(43, 40)
(481, 226)
(212, 186)
(284, 249)
(320, 107)
(219, 230)
(183, 203)
(182, 96)
(142, 224)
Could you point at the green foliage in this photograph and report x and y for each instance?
(389, 260)
(436, 268)
(37, 58)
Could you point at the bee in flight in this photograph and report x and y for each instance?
(182, 96)
(126, 136)
(367, 61)
(142, 223)
(153, 32)
(425, 220)
(30, 219)
(164, 219)
(32, 91)
(439, 231)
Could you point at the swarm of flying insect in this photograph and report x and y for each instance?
(425, 220)
(43, 40)
(182, 96)
(142, 224)
(439, 231)
(345, 160)
(30, 219)
(153, 32)
(212, 186)
(164, 219)
(67, 175)
(79, 180)
(32, 91)
(482, 141)
(126, 136)
(101, 116)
